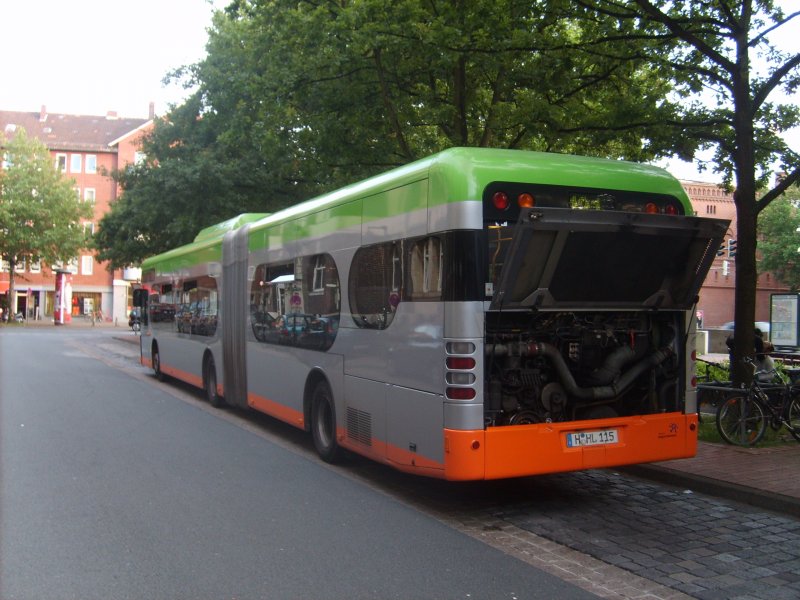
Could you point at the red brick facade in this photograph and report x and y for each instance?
(717, 294)
(87, 149)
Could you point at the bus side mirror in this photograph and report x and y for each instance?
(140, 300)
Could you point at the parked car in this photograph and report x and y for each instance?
(761, 325)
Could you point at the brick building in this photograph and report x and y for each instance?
(86, 149)
(717, 294)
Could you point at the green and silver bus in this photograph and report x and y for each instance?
(476, 314)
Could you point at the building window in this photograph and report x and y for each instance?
(87, 265)
(75, 161)
(139, 158)
(711, 209)
(319, 275)
(88, 229)
(20, 266)
(91, 164)
(61, 162)
(36, 266)
(89, 195)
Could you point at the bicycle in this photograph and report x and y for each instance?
(742, 418)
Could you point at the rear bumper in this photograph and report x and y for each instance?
(515, 451)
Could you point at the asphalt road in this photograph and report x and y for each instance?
(112, 487)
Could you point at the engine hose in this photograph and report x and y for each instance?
(616, 361)
(604, 392)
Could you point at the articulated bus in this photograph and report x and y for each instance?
(477, 314)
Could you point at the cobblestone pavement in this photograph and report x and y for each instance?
(705, 547)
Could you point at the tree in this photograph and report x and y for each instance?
(717, 48)
(779, 240)
(296, 98)
(40, 213)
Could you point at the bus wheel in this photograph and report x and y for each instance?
(214, 399)
(323, 423)
(157, 365)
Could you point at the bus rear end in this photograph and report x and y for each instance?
(586, 358)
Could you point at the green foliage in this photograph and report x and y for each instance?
(297, 98)
(40, 214)
(779, 240)
(727, 71)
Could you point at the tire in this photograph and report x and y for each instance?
(793, 417)
(323, 423)
(157, 365)
(210, 383)
(741, 421)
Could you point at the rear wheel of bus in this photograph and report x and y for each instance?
(323, 423)
(156, 358)
(210, 381)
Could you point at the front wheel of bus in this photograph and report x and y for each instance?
(323, 423)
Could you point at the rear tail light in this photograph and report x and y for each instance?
(651, 208)
(526, 201)
(460, 362)
(460, 377)
(671, 209)
(454, 393)
(500, 200)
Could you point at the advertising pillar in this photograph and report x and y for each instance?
(63, 298)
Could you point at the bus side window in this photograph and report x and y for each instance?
(375, 285)
(425, 269)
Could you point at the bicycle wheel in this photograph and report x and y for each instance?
(793, 418)
(740, 421)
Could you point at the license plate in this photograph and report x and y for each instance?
(592, 438)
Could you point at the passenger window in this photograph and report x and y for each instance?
(425, 272)
(197, 308)
(375, 286)
(296, 303)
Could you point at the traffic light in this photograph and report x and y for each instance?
(731, 248)
(721, 249)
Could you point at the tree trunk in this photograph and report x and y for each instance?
(746, 214)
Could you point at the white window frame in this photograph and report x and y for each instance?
(90, 195)
(75, 163)
(90, 226)
(20, 266)
(87, 264)
(61, 162)
(36, 266)
(91, 164)
(318, 285)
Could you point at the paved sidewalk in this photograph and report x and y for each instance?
(765, 477)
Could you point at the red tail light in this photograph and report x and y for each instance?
(460, 393)
(671, 209)
(500, 200)
(460, 362)
(651, 208)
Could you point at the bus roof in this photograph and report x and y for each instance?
(454, 175)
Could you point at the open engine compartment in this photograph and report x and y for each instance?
(573, 365)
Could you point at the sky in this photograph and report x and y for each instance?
(94, 56)
(91, 57)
